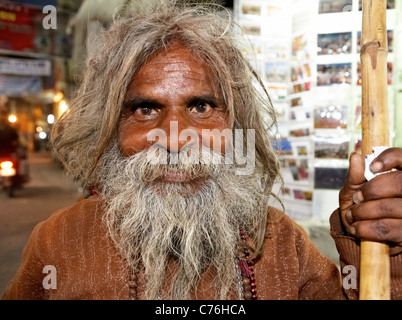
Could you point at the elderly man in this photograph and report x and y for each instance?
(177, 218)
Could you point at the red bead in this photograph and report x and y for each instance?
(252, 285)
(253, 291)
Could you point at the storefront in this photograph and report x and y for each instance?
(308, 54)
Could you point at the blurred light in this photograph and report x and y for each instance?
(337, 115)
(57, 97)
(6, 165)
(50, 119)
(12, 118)
(7, 170)
(42, 135)
(63, 106)
(39, 129)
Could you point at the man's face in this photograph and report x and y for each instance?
(172, 87)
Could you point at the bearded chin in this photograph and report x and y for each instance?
(153, 222)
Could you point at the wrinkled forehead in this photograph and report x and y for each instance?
(175, 60)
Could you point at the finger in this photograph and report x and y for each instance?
(355, 174)
(387, 185)
(378, 230)
(376, 209)
(354, 180)
(387, 160)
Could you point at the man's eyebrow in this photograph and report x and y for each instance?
(135, 101)
(205, 98)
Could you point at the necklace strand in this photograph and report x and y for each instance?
(245, 267)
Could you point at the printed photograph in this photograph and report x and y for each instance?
(331, 117)
(331, 147)
(251, 9)
(332, 74)
(276, 71)
(329, 178)
(332, 6)
(334, 43)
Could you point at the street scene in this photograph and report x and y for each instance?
(217, 150)
(47, 191)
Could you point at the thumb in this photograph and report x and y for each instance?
(355, 175)
(354, 180)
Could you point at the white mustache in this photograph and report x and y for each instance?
(157, 163)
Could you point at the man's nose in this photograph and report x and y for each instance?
(175, 127)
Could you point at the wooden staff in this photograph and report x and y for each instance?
(374, 259)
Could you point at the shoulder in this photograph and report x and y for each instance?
(78, 221)
(82, 211)
(279, 222)
(288, 236)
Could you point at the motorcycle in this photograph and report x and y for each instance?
(13, 173)
(8, 176)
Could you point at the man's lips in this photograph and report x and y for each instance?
(175, 177)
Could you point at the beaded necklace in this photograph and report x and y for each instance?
(246, 270)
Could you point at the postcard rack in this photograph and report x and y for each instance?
(307, 52)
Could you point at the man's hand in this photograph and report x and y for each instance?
(372, 210)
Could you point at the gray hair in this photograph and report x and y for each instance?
(84, 133)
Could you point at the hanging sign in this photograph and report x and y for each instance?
(33, 67)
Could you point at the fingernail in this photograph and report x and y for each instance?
(358, 197)
(376, 166)
(352, 230)
(348, 216)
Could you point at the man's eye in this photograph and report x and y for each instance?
(200, 108)
(144, 111)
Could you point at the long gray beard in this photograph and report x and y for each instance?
(152, 222)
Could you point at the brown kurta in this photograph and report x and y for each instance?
(74, 240)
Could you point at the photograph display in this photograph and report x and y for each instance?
(303, 195)
(302, 132)
(252, 30)
(251, 9)
(332, 6)
(300, 48)
(332, 74)
(282, 146)
(276, 71)
(334, 43)
(331, 117)
(329, 178)
(328, 147)
(300, 73)
(298, 168)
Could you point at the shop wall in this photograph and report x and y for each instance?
(308, 52)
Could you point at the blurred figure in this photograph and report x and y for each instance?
(8, 137)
